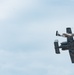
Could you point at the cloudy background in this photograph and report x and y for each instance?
(27, 33)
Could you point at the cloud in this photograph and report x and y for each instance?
(27, 33)
(58, 70)
(10, 7)
(36, 62)
(22, 61)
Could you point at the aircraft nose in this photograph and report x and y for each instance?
(56, 33)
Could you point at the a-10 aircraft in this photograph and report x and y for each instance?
(68, 45)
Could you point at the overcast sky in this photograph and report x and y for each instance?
(27, 33)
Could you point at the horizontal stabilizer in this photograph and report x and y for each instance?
(56, 47)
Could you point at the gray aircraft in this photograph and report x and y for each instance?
(68, 45)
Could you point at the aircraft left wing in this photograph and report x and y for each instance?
(71, 52)
(69, 39)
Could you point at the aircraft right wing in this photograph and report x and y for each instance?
(69, 31)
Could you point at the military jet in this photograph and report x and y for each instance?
(68, 45)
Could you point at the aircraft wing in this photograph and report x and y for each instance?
(69, 39)
(68, 30)
(71, 52)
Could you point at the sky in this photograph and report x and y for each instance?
(27, 34)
